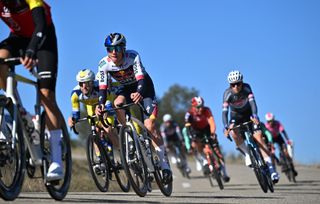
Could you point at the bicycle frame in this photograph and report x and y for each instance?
(13, 94)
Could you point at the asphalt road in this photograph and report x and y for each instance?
(242, 188)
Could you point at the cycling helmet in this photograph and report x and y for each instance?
(235, 76)
(114, 39)
(167, 117)
(197, 101)
(85, 75)
(269, 117)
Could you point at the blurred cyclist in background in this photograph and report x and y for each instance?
(200, 123)
(172, 137)
(278, 133)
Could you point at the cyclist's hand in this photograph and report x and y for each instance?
(27, 61)
(289, 142)
(99, 109)
(136, 97)
(226, 131)
(213, 136)
(255, 119)
(71, 122)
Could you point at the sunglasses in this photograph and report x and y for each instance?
(115, 48)
(236, 84)
(87, 83)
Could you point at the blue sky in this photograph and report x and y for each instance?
(275, 44)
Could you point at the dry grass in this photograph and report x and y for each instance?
(81, 178)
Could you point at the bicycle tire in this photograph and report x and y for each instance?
(216, 174)
(121, 176)
(11, 191)
(257, 170)
(101, 178)
(58, 190)
(136, 168)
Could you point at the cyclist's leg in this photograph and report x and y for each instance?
(235, 120)
(150, 105)
(219, 154)
(47, 57)
(258, 136)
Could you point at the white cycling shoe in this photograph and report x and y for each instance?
(198, 166)
(55, 172)
(248, 160)
(275, 177)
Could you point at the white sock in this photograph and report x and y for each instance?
(268, 159)
(163, 157)
(55, 146)
(223, 168)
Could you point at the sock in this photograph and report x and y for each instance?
(55, 146)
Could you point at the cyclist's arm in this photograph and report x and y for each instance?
(186, 137)
(39, 20)
(179, 133)
(75, 104)
(253, 105)
(225, 108)
(103, 83)
(211, 122)
(139, 74)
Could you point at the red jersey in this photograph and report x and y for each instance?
(198, 120)
(17, 15)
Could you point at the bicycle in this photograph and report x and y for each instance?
(258, 164)
(104, 159)
(19, 148)
(139, 158)
(287, 165)
(213, 161)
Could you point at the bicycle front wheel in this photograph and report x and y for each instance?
(12, 152)
(257, 163)
(133, 162)
(98, 164)
(215, 173)
(59, 189)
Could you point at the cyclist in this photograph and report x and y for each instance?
(200, 122)
(278, 132)
(33, 31)
(172, 137)
(240, 100)
(136, 86)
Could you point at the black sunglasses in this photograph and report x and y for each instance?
(236, 84)
(117, 48)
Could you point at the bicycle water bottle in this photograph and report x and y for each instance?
(109, 107)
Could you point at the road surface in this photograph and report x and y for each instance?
(242, 188)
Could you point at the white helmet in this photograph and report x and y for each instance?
(269, 117)
(167, 117)
(85, 75)
(234, 77)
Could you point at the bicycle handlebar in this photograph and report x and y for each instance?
(73, 128)
(13, 61)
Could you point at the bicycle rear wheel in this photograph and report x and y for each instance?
(57, 190)
(98, 164)
(133, 162)
(12, 155)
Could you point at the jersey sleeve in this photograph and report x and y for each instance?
(138, 67)
(75, 104)
(225, 108)
(103, 81)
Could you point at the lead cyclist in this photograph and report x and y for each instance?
(32, 30)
